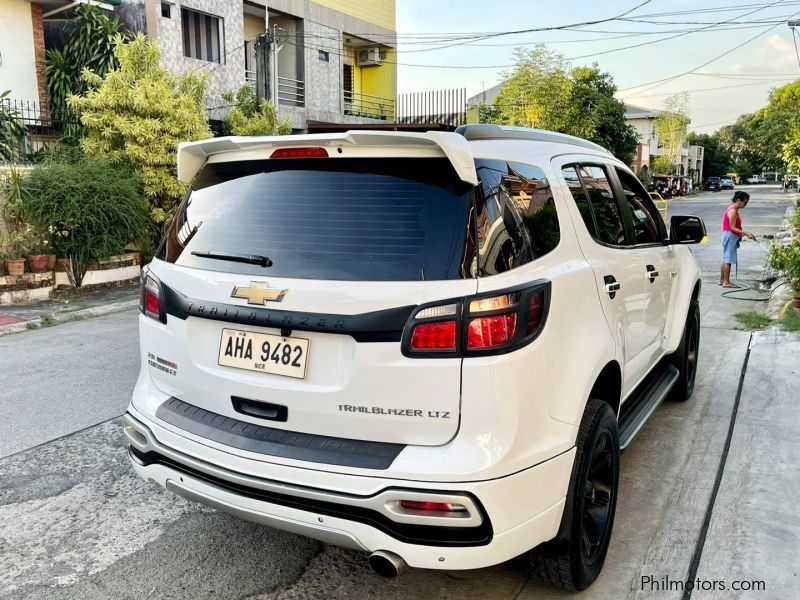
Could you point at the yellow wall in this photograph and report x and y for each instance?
(378, 12)
(380, 81)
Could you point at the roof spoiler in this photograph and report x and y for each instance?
(487, 131)
(193, 155)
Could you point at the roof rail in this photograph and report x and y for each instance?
(487, 131)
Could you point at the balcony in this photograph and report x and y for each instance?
(371, 107)
(291, 92)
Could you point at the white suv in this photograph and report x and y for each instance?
(427, 346)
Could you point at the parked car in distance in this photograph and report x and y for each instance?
(431, 347)
(712, 184)
(726, 183)
(755, 179)
(761, 179)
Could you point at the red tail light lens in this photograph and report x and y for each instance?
(535, 310)
(300, 153)
(487, 332)
(434, 336)
(431, 506)
(149, 300)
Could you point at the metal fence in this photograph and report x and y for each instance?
(366, 105)
(443, 107)
(42, 128)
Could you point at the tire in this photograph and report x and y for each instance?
(576, 562)
(685, 357)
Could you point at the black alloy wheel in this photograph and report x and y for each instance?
(598, 498)
(575, 561)
(686, 356)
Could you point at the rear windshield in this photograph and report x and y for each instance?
(338, 218)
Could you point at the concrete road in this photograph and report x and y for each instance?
(75, 522)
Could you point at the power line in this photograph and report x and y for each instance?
(724, 87)
(659, 82)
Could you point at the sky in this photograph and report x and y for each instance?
(746, 74)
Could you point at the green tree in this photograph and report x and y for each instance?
(90, 45)
(138, 114)
(717, 159)
(671, 129)
(593, 92)
(246, 118)
(543, 91)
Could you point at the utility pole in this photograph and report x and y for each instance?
(264, 76)
(793, 25)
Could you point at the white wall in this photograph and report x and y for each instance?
(17, 61)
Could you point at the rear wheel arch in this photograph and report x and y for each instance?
(608, 386)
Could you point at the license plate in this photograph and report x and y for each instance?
(264, 353)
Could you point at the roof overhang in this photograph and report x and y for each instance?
(193, 155)
(52, 8)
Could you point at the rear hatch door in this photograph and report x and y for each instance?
(289, 282)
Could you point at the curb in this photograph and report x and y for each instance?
(66, 317)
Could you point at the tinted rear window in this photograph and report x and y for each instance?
(345, 219)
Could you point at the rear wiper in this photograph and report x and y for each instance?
(251, 259)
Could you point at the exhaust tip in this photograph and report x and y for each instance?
(386, 564)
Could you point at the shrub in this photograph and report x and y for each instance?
(246, 118)
(138, 114)
(92, 208)
(786, 259)
(12, 130)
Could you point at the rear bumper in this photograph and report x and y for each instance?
(506, 516)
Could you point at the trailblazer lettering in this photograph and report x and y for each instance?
(395, 412)
(265, 317)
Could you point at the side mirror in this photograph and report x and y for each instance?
(687, 230)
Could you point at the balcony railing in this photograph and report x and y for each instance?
(291, 92)
(365, 105)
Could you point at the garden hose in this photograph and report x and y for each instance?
(744, 287)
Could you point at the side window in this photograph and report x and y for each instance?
(647, 226)
(570, 175)
(515, 216)
(606, 209)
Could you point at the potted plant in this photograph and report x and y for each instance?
(39, 250)
(17, 246)
(786, 259)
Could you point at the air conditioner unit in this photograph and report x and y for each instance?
(371, 57)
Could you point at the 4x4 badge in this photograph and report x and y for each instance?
(258, 293)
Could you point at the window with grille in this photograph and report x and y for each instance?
(202, 35)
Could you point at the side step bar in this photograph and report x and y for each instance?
(644, 401)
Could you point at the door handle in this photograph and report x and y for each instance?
(651, 273)
(612, 285)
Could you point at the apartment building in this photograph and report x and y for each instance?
(334, 60)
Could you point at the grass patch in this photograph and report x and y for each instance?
(791, 320)
(31, 325)
(752, 319)
(47, 320)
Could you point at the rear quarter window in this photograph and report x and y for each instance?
(515, 215)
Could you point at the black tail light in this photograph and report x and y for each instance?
(485, 324)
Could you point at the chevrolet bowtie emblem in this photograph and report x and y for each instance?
(258, 293)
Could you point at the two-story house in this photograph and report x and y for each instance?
(334, 61)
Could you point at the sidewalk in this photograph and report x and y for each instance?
(754, 531)
(78, 304)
